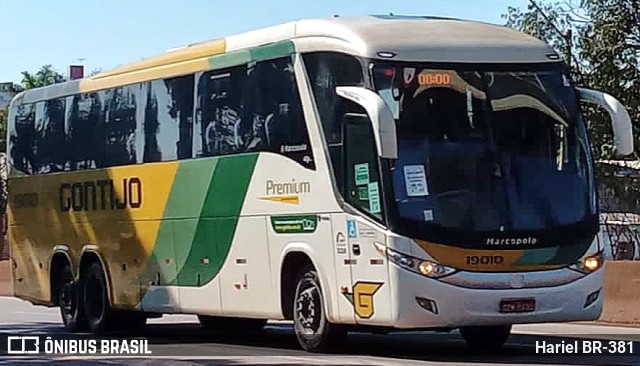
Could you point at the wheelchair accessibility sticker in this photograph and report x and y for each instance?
(351, 228)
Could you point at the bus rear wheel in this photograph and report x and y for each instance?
(97, 310)
(69, 301)
(490, 338)
(313, 331)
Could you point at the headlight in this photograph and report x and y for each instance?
(423, 267)
(588, 264)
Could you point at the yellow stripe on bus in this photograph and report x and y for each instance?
(183, 61)
(125, 237)
(469, 259)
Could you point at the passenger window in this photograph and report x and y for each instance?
(277, 108)
(49, 154)
(363, 188)
(168, 119)
(21, 140)
(119, 121)
(219, 111)
(86, 147)
(252, 108)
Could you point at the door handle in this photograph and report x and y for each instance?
(355, 248)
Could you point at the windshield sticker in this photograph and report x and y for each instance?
(470, 106)
(409, 74)
(428, 215)
(415, 180)
(374, 198)
(363, 193)
(362, 174)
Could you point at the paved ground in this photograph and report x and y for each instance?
(178, 340)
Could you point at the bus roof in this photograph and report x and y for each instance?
(404, 38)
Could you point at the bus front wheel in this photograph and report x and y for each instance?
(488, 338)
(313, 331)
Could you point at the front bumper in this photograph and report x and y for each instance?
(459, 306)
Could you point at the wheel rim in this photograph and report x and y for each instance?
(94, 298)
(68, 300)
(309, 309)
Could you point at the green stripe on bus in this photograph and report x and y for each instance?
(570, 253)
(218, 220)
(242, 57)
(180, 218)
(230, 59)
(271, 51)
(536, 256)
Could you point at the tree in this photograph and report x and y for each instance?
(43, 77)
(605, 52)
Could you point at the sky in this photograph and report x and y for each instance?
(107, 33)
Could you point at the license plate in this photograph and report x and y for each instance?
(517, 305)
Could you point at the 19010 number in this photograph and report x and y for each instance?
(484, 259)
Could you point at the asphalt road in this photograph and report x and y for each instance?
(178, 340)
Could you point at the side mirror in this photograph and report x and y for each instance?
(620, 119)
(380, 117)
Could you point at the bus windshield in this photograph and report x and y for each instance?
(487, 151)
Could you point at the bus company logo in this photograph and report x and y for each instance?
(100, 195)
(362, 298)
(286, 192)
(512, 241)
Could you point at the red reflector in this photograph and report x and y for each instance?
(388, 72)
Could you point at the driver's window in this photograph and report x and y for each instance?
(362, 179)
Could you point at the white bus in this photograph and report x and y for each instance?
(345, 173)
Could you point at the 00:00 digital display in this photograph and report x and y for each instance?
(434, 79)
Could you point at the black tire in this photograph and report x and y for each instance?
(69, 302)
(229, 325)
(313, 331)
(485, 339)
(95, 296)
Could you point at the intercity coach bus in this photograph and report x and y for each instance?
(351, 173)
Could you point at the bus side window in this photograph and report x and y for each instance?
(219, 111)
(168, 119)
(84, 131)
(362, 187)
(21, 140)
(49, 137)
(275, 115)
(119, 124)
